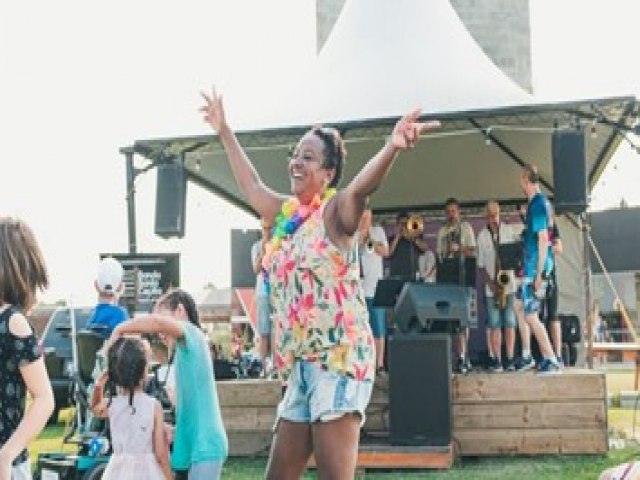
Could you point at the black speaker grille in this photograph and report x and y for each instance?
(569, 171)
(171, 196)
(420, 411)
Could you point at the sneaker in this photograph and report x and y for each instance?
(495, 366)
(548, 366)
(525, 363)
(461, 366)
(560, 362)
(509, 365)
(467, 365)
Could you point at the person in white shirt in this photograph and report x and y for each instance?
(500, 288)
(373, 248)
(263, 303)
(427, 266)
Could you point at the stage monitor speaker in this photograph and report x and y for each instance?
(569, 171)
(171, 199)
(429, 307)
(420, 403)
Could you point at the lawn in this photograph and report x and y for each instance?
(522, 468)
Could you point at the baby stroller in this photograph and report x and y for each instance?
(91, 435)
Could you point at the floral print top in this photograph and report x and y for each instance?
(14, 353)
(319, 310)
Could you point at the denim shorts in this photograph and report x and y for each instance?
(377, 319)
(207, 470)
(315, 395)
(497, 318)
(263, 311)
(531, 300)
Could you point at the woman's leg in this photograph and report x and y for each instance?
(290, 451)
(336, 447)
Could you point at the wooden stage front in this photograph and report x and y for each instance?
(493, 415)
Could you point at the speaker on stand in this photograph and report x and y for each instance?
(569, 171)
(171, 199)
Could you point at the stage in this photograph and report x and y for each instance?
(493, 415)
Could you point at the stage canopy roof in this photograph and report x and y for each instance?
(382, 60)
(475, 155)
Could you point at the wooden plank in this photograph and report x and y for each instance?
(615, 347)
(531, 441)
(377, 418)
(387, 456)
(555, 415)
(248, 444)
(514, 387)
(254, 392)
(248, 419)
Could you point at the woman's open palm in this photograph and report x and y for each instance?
(213, 110)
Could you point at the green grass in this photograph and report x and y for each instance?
(506, 468)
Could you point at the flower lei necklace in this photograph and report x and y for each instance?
(291, 216)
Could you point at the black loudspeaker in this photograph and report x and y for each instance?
(569, 171)
(420, 404)
(242, 274)
(171, 199)
(433, 307)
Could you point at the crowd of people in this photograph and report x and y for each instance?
(318, 265)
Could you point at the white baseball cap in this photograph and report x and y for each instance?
(109, 278)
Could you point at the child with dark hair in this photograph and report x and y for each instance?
(200, 442)
(22, 370)
(140, 450)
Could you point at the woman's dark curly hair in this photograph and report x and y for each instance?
(127, 366)
(334, 151)
(176, 297)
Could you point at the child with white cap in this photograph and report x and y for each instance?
(109, 285)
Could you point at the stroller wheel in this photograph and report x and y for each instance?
(95, 472)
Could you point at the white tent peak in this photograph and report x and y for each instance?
(384, 58)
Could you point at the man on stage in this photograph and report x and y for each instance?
(537, 266)
(373, 247)
(456, 240)
(500, 287)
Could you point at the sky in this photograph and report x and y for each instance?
(79, 80)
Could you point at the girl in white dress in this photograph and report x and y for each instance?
(140, 450)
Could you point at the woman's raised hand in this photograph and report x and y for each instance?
(213, 110)
(407, 131)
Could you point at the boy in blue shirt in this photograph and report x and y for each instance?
(537, 266)
(109, 285)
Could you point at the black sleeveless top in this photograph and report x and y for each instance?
(14, 353)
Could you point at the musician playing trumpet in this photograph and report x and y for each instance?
(500, 288)
(373, 247)
(406, 246)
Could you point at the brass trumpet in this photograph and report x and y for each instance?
(502, 280)
(415, 226)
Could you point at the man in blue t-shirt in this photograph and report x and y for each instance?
(109, 285)
(537, 265)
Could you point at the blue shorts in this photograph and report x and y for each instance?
(315, 395)
(377, 319)
(206, 470)
(263, 311)
(497, 318)
(531, 300)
